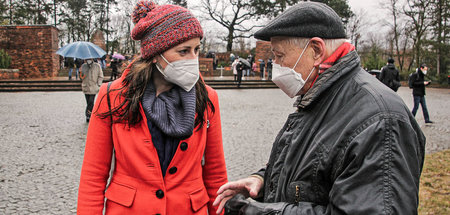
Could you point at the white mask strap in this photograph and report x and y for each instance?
(310, 74)
(304, 49)
(164, 58)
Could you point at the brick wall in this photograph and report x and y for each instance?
(98, 39)
(263, 51)
(32, 49)
(206, 66)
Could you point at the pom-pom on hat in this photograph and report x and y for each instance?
(161, 27)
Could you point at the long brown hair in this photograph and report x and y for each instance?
(132, 90)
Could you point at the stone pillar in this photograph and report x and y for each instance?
(32, 49)
(98, 39)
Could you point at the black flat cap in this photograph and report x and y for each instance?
(307, 20)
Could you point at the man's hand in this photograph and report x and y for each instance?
(248, 187)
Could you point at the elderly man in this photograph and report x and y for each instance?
(352, 146)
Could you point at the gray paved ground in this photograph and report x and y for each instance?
(42, 141)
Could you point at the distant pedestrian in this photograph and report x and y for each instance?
(92, 77)
(249, 69)
(418, 84)
(262, 65)
(78, 63)
(390, 75)
(254, 68)
(234, 68)
(269, 68)
(115, 63)
(240, 68)
(71, 65)
(232, 57)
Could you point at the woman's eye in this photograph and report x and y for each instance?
(183, 51)
(197, 50)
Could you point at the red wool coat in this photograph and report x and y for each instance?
(137, 185)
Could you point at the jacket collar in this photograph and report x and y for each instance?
(327, 79)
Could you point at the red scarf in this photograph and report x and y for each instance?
(340, 52)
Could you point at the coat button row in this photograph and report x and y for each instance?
(173, 170)
(160, 194)
(183, 146)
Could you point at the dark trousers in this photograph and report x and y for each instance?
(90, 98)
(421, 100)
(113, 75)
(239, 78)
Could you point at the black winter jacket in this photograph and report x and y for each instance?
(390, 77)
(418, 83)
(353, 147)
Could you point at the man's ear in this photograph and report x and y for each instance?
(319, 48)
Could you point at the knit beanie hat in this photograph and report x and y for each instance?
(161, 27)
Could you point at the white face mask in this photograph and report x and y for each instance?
(89, 62)
(287, 79)
(184, 73)
(424, 72)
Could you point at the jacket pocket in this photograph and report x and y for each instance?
(199, 199)
(121, 194)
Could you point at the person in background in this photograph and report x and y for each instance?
(70, 64)
(254, 68)
(390, 75)
(248, 70)
(418, 84)
(234, 68)
(269, 68)
(163, 123)
(262, 65)
(115, 63)
(240, 69)
(232, 57)
(91, 78)
(78, 63)
(351, 147)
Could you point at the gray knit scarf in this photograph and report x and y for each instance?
(173, 111)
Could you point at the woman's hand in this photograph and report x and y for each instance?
(249, 187)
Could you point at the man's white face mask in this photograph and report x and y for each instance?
(424, 72)
(89, 62)
(287, 79)
(184, 73)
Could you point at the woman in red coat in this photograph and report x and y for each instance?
(163, 124)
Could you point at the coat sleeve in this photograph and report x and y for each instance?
(100, 75)
(97, 160)
(378, 173)
(381, 78)
(214, 170)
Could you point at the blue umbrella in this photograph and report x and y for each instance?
(82, 50)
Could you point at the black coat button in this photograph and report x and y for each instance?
(160, 194)
(173, 170)
(183, 146)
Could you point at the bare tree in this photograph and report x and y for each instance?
(396, 32)
(417, 11)
(355, 26)
(232, 15)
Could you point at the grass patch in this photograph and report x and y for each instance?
(435, 184)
